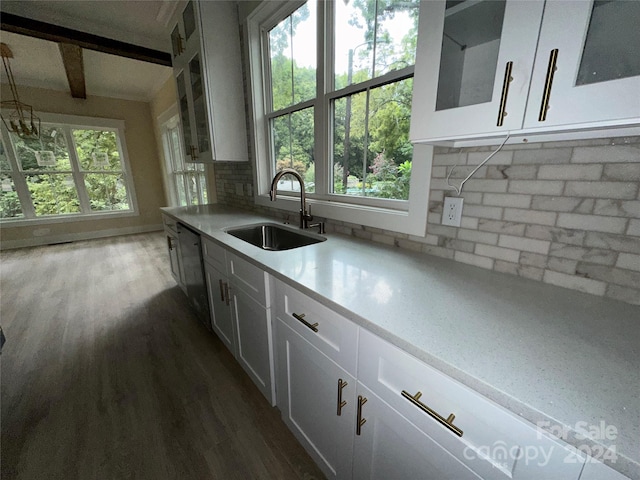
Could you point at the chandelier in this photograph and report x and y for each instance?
(18, 117)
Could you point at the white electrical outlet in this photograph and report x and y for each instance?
(452, 211)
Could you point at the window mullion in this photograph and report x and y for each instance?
(197, 177)
(19, 178)
(167, 144)
(78, 177)
(321, 116)
(185, 184)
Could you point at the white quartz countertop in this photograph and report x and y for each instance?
(546, 353)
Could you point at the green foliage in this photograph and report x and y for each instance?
(357, 144)
(88, 142)
(52, 187)
(53, 194)
(10, 205)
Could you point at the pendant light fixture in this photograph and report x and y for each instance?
(19, 118)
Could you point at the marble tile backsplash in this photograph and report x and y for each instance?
(564, 213)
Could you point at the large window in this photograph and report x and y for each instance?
(187, 181)
(292, 75)
(332, 87)
(76, 167)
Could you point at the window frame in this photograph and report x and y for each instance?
(404, 216)
(69, 123)
(171, 174)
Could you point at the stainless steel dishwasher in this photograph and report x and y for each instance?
(193, 267)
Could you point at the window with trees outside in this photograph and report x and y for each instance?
(342, 124)
(77, 167)
(187, 181)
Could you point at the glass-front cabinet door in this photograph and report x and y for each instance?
(189, 21)
(475, 64)
(184, 35)
(193, 112)
(185, 116)
(587, 67)
(201, 130)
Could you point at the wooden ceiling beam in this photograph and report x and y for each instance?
(54, 33)
(74, 67)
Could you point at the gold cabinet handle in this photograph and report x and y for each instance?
(226, 292)
(447, 422)
(546, 95)
(359, 420)
(502, 112)
(300, 317)
(341, 403)
(221, 291)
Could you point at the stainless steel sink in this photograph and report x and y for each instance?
(271, 236)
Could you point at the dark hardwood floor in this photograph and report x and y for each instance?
(107, 374)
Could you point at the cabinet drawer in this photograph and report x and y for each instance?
(250, 279)
(214, 254)
(495, 443)
(170, 224)
(336, 336)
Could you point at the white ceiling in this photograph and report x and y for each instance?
(38, 63)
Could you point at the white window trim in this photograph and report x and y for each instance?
(169, 122)
(408, 217)
(79, 122)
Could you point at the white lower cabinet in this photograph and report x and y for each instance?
(219, 303)
(400, 418)
(252, 324)
(389, 446)
(240, 301)
(477, 433)
(317, 401)
(317, 355)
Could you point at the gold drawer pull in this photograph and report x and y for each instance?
(341, 403)
(447, 422)
(546, 94)
(300, 317)
(502, 111)
(360, 421)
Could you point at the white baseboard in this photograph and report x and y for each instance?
(74, 237)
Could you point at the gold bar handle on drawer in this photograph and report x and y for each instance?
(447, 422)
(359, 420)
(300, 318)
(502, 111)
(341, 403)
(221, 291)
(546, 94)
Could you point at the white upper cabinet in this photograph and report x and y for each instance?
(488, 68)
(597, 64)
(206, 59)
(463, 52)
